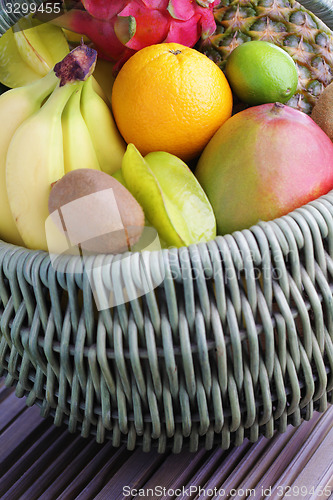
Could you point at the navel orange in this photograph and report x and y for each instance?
(168, 97)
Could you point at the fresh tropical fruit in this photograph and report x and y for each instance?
(40, 44)
(120, 28)
(14, 72)
(285, 161)
(35, 158)
(118, 175)
(16, 106)
(286, 24)
(172, 199)
(260, 72)
(171, 98)
(322, 113)
(108, 144)
(113, 223)
(29, 50)
(69, 126)
(79, 151)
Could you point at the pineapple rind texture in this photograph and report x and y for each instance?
(285, 23)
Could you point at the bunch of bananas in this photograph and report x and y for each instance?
(50, 127)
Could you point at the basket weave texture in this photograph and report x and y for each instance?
(236, 342)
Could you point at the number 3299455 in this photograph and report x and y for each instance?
(32, 8)
(302, 491)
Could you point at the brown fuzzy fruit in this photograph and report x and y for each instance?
(322, 113)
(96, 212)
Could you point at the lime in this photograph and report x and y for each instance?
(260, 72)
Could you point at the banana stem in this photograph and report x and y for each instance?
(79, 64)
(58, 99)
(43, 87)
(77, 97)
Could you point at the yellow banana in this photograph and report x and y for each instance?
(78, 148)
(107, 141)
(104, 75)
(16, 106)
(98, 89)
(35, 156)
(35, 160)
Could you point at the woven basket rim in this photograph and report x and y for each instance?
(73, 258)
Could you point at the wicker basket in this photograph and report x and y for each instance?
(236, 342)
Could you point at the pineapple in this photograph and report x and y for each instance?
(285, 23)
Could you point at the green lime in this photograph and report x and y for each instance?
(260, 72)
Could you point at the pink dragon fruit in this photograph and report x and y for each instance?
(118, 28)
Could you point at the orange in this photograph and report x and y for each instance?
(168, 97)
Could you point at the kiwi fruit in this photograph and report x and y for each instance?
(96, 212)
(322, 112)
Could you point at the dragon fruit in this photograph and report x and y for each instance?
(118, 28)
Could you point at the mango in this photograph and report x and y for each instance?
(263, 163)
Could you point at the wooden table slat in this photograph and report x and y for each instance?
(13, 408)
(307, 448)
(33, 455)
(231, 462)
(139, 467)
(70, 473)
(96, 472)
(19, 436)
(279, 451)
(44, 462)
(213, 462)
(317, 470)
(175, 470)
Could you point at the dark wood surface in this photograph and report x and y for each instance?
(41, 461)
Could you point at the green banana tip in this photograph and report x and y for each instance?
(78, 65)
